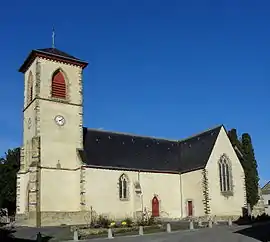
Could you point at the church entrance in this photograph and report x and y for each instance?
(155, 207)
(190, 208)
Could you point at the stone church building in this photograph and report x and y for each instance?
(68, 172)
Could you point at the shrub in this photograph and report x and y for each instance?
(103, 222)
(147, 221)
(129, 222)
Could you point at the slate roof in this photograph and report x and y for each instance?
(127, 151)
(52, 53)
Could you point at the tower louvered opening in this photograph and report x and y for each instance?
(58, 85)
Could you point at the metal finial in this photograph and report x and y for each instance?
(53, 38)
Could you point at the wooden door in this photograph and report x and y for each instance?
(155, 207)
(190, 208)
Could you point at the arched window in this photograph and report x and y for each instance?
(58, 85)
(30, 87)
(123, 187)
(225, 174)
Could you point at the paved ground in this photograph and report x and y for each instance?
(216, 234)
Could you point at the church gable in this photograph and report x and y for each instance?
(113, 150)
(266, 188)
(195, 151)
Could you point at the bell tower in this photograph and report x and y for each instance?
(48, 180)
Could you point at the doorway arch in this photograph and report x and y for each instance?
(155, 207)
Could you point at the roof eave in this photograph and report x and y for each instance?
(34, 53)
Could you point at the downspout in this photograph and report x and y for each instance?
(179, 156)
(141, 190)
(181, 194)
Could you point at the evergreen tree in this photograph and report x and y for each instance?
(236, 143)
(251, 172)
(233, 137)
(9, 166)
(249, 164)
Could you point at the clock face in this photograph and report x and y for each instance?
(59, 120)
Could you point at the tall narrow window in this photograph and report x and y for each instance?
(225, 176)
(30, 87)
(58, 85)
(123, 187)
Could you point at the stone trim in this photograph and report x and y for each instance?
(224, 159)
(56, 168)
(82, 189)
(73, 63)
(67, 83)
(38, 74)
(127, 198)
(37, 118)
(52, 100)
(186, 206)
(18, 193)
(81, 127)
(22, 158)
(243, 177)
(80, 80)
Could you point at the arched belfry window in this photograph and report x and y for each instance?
(59, 89)
(30, 87)
(123, 187)
(225, 174)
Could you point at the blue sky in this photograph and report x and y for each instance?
(160, 68)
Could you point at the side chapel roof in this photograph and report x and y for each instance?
(106, 149)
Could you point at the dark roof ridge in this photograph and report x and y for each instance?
(201, 133)
(131, 134)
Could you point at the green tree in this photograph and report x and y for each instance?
(248, 161)
(9, 166)
(236, 143)
(251, 171)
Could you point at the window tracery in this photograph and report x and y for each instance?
(123, 187)
(225, 174)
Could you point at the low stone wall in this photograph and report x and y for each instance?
(84, 218)
(54, 218)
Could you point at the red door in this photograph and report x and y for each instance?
(190, 208)
(155, 207)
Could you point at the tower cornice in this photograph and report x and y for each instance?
(51, 54)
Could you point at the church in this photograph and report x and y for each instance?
(69, 174)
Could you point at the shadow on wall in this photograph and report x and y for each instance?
(6, 235)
